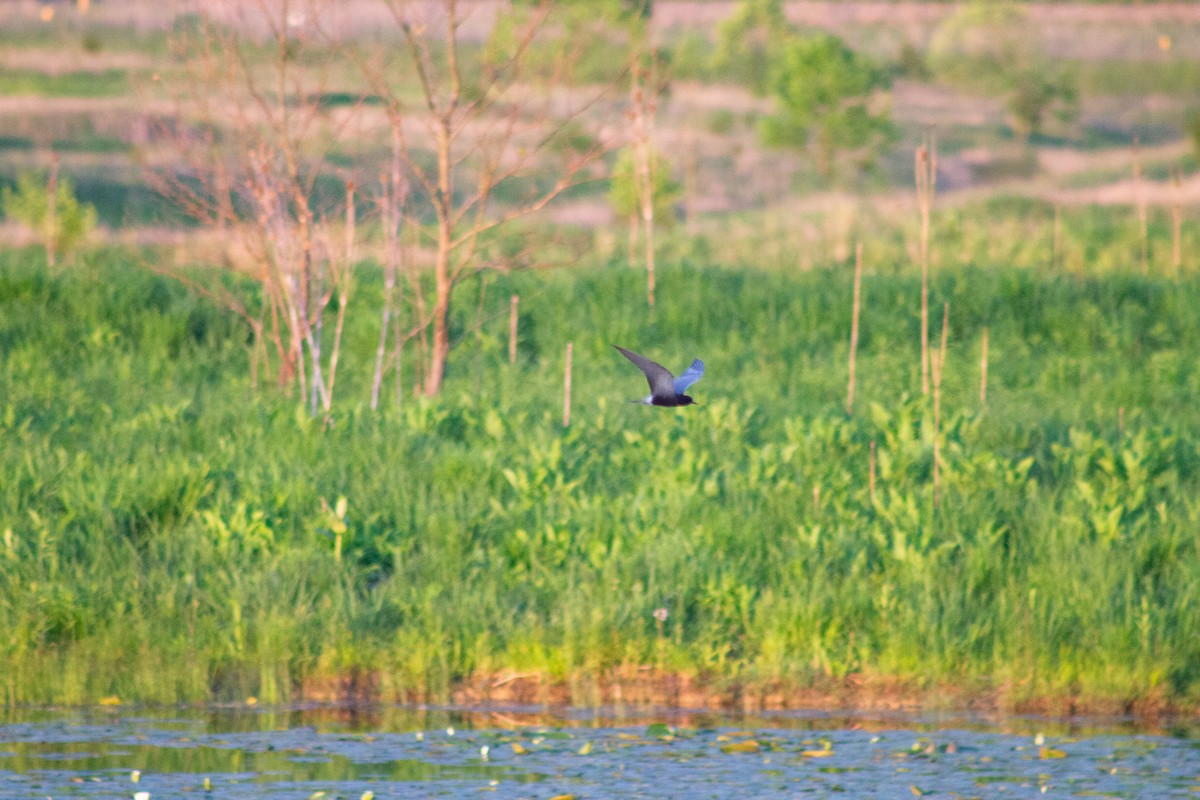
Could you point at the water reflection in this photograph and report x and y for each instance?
(517, 752)
(382, 718)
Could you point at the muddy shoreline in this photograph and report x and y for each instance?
(646, 687)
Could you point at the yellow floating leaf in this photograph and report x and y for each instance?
(587, 748)
(748, 746)
(1051, 752)
(563, 797)
(916, 791)
(628, 736)
(519, 748)
(816, 753)
(111, 700)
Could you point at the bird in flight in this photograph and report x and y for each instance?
(665, 388)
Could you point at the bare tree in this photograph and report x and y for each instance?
(490, 114)
(643, 105)
(392, 198)
(251, 135)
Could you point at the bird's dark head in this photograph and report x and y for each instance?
(686, 400)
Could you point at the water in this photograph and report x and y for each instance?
(394, 752)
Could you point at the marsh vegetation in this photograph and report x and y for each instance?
(1005, 513)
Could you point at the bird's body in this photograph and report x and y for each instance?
(665, 388)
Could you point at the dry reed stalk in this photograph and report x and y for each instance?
(1176, 225)
(854, 325)
(567, 387)
(394, 189)
(512, 329)
(945, 327)
(937, 363)
(51, 208)
(389, 286)
(935, 367)
(926, 177)
(871, 472)
(983, 370)
(817, 497)
(344, 277)
(1140, 199)
(1056, 252)
(399, 367)
(642, 119)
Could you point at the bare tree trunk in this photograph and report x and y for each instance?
(436, 371)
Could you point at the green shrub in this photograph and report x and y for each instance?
(623, 194)
(29, 204)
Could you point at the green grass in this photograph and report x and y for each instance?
(165, 532)
(108, 83)
(1122, 78)
(87, 35)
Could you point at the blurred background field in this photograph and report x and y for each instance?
(179, 522)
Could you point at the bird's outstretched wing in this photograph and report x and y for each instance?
(658, 376)
(692, 374)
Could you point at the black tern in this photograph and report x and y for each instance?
(665, 388)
